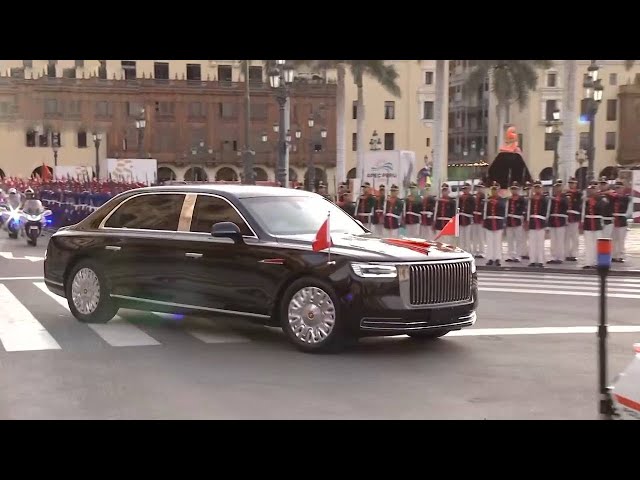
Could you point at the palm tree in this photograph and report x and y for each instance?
(512, 80)
(386, 75)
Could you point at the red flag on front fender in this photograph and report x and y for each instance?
(323, 237)
(450, 229)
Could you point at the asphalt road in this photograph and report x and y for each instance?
(532, 355)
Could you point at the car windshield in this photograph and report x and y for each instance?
(299, 215)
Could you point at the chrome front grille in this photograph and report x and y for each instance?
(440, 283)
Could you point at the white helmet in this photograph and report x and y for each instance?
(12, 191)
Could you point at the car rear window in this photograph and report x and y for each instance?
(148, 212)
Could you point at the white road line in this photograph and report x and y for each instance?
(543, 276)
(205, 331)
(556, 292)
(117, 333)
(593, 288)
(9, 256)
(481, 332)
(8, 279)
(19, 330)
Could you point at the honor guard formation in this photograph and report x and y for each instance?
(522, 216)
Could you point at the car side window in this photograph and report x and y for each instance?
(148, 212)
(211, 210)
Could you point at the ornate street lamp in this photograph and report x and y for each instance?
(280, 79)
(97, 138)
(552, 127)
(593, 91)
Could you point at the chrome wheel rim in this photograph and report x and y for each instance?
(311, 315)
(85, 291)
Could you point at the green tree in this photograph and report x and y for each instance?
(511, 82)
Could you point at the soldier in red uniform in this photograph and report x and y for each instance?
(494, 223)
(478, 239)
(537, 223)
(445, 211)
(574, 211)
(594, 208)
(466, 203)
(558, 206)
(524, 246)
(516, 210)
(365, 205)
(393, 214)
(620, 203)
(427, 215)
(342, 188)
(377, 220)
(412, 207)
(607, 214)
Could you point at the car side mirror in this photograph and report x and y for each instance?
(227, 230)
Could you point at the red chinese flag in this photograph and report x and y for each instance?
(323, 237)
(450, 229)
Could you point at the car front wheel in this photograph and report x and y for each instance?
(310, 316)
(88, 294)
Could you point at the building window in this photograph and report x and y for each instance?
(56, 139)
(549, 141)
(552, 79)
(584, 141)
(389, 141)
(354, 142)
(69, 72)
(82, 139)
(135, 108)
(129, 67)
(102, 70)
(612, 107)
(51, 69)
(613, 79)
(354, 110)
(227, 110)
(31, 138)
(194, 71)
(166, 108)
(610, 141)
(196, 109)
(50, 105)
(43, 139)
(161, 70)
(428, 142)
(428, 78)
(255, 74)
(550, 106)
(427, 110)
(74, 107)
(389, 110)
(259, 111)
(225, 73)
(104, 109)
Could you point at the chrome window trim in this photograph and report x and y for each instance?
(116, 208)
(184, 211)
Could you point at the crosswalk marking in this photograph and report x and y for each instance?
(19, 330)
(539, 283)
(117, 333)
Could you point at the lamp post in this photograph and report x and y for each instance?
(141, 123)
(592, 97)
(264, 138)
(311, 167)
(280, 78)
(552, 127)
(375, 143)
(97, 138)
(55, 146)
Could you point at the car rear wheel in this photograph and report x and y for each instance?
(88, 294)
(310, 316)
(428, 335)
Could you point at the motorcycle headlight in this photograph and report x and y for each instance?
(373, 270)
(15, 216)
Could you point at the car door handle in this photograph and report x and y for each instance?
(193, 255)
(113, 248)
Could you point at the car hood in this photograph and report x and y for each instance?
(367, 247)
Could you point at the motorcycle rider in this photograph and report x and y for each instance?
(13, 199)
(30, 206)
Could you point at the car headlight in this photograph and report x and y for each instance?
(372, 270)
(473, 265)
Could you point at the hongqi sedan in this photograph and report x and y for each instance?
(246, 251)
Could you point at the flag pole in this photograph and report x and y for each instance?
(329, 262)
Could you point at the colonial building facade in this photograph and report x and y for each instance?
(187, 114)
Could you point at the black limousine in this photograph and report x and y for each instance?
(246, 251)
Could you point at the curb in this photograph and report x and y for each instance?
(594, 272)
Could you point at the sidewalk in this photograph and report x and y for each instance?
(631, 266)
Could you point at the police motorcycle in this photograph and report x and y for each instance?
(34, 223)
(11, 219)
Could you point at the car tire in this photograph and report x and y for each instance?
(309, 309)
(428, 335)
(97, 310)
